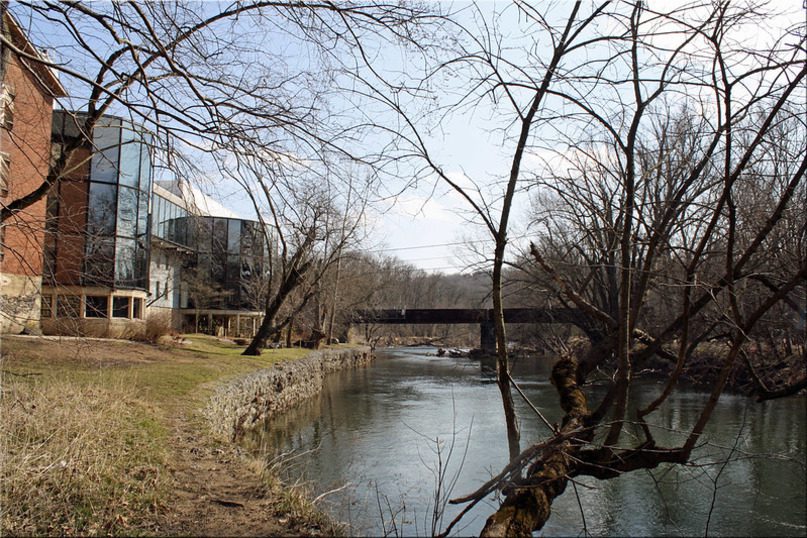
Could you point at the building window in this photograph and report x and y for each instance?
(7, 107)
(137, 308)
(68, 306)
(5, 168)
(96, 306)
(46, 309)
(120, 307)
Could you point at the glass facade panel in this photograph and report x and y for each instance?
(219, 235)
(203, 264)
(142, 215)
(145, 162)
(125, 263)
(101, 210)
(106, 139)
(96, 306)
(251, 239)
(233, 281)
(218, 261)
(141, 264)
(99, 261)
(233, 236)
(247, 267)
(203, 234)
(127, 212)
(129, 169)
(181, 230)
(172, 217)
(159, 208)
(66, 125)
(120, 307)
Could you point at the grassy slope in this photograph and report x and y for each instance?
(85, 427)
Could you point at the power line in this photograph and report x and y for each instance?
(454, 244)
(428, 246)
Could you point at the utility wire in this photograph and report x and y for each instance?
(456, 243)
(428, 246)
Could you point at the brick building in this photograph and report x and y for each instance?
(27, 92)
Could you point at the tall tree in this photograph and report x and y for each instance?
(650, 121)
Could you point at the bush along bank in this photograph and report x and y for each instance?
(241, 404)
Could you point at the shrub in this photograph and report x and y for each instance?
(158, 324)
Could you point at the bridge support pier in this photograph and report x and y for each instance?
(487, 339)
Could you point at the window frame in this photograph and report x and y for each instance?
(7, 96)
(5, 173)
(96, 312)
(116, 309)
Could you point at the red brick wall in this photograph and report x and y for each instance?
(70, 233)
(28, 146)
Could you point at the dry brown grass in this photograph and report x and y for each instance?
(95, 436)
(77, 459)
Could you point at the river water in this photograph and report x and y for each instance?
(373, 435)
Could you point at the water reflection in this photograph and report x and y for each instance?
(375, 430)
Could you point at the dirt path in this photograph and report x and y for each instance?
(218, 492)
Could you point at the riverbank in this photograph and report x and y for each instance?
(111, 437)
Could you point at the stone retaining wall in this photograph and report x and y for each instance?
(239, 405)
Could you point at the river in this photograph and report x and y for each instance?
(372, 436)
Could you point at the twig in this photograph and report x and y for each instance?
(580, 505)
(329, 492)
(529, 403)
(228, 504)
(720, 471)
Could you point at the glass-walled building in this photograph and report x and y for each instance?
(225, 279)
(97, 234)
(207, 265)
(230, 255)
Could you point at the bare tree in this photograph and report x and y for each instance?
(308, 222)
(650, 121)
(651, 206)
(200, 75)
(514, 90)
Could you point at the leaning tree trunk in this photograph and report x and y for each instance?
(262, 336)
(268, 329)
(527, 504)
